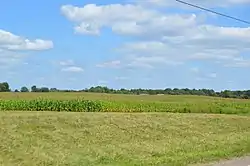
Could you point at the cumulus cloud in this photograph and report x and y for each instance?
(11, 44)
(10, 41)
(161, 37)
(133, 20)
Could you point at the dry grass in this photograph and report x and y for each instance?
(119, 139)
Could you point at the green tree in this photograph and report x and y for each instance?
(24, 89)
(53, 90)
(44, 89)
(33, 88)
(4, 87)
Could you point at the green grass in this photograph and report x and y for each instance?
(120, 139)
(112, 139)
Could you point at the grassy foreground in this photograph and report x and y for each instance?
(112, 139)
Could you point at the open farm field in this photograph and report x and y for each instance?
(112, 139)
(96, 102)
(124, 130)
(114, 97)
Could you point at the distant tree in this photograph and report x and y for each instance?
(226, 94)
(247, 93)
(44, 89)
(4, 87)
(53, 90)
(24, 89)
(16, 90)
(7, 87)
(245, 97)
(33, 88)
(152, 92)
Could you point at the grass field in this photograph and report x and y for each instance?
(75, 137)
(98, 139)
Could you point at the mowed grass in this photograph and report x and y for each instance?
(120, 139)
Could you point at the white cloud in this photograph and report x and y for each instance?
(163, 38)
(67, 63)
(11, 44)
(133, 20)
(30, 45)
(70, 66)
(74, 69)
(10, 41)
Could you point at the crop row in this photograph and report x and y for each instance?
(115, 106)
(51, 105)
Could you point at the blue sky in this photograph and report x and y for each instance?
(124, 44)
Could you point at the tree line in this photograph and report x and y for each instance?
(242, 94)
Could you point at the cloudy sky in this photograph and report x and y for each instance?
(124, 44)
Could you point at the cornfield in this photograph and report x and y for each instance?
(81, 105)
(51, 105)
